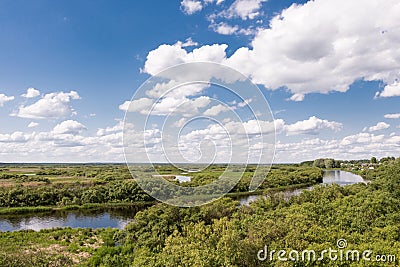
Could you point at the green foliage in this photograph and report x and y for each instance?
(326, 163)
(224, 233)
(115, 191)
(50, 247)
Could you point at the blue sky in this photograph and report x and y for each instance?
(329, 70)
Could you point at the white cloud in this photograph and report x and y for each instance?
(215, 110)
(392, 116)
(65, 143)
(357, 146)
(297, 97)
(245, 103)
(304, 56)
(379, 126)
(191, 6)
(263, 127)
(188, 43)
(16, 137)
(115, 129)
(179, 123)
(297, 53)
(245, 9)
(169, 55)
(361, 138)
(224, 28)
(312, 126)
(124, 106)
(180, 89)
(50, 106)
(31, 93)
(390, 90)
(218, 2)
(4, 99)
(248, 31)
(142, 104)
(183, 106)
(69, 127)
(33, 124)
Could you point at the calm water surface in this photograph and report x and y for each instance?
(75, 219)
(330, 177)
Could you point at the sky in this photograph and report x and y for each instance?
(329, 70)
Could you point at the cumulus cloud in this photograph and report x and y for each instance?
(297, 53)
(50, 106)
(245, 103)
(188, 43)
(356, 146)
(218, 2)
(69, 127)
(4, 99)
(33, 124)
(244, 9)
(312, 126)
(16, 137)
(169, 55)
(390, 90)
(179, 89)
(190, 7)
(392, 116)
(31, 93)
(142, 104)
(304, 56)
(224, 28)
(167, 105)
(297, 97)
(361, 138)
(379, 126)
(114, 129)
(215, 110)
(184, 106)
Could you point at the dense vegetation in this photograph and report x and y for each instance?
(223, 234)
(78, 185)
(226, 234)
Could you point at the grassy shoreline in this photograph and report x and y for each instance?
(271, 190)
(91, 206)
(94, 206)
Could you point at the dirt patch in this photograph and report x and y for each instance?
(24, 170)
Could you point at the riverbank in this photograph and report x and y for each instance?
(139, 204)
(271, 190)
(92, 206)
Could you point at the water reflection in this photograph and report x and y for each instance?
(341, 178)
(182, 179)
(116, 218)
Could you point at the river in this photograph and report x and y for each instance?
(119, 218)
(330, 177)
(102, 218)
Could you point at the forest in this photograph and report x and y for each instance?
(223, 233)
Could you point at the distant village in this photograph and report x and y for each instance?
(356, 165)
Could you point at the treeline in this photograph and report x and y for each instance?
(115, 184)
(329, 163)
(106, 172)
(116, 191)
